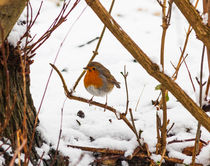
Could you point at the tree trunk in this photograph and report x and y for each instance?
(10, 11)
(12, 113)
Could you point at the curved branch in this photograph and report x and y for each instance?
(191, 14)
(148, 65)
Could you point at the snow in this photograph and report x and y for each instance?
(156, 158)
(205, 18)
(17, 32)
(142, 23)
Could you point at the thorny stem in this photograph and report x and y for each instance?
(94, 52)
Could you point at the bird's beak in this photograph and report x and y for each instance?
(85, 68)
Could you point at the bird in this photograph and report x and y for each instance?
(98, 80)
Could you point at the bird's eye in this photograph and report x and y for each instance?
(94, 68)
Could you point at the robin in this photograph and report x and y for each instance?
(98, 80)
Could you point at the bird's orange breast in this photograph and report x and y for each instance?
(93, 78)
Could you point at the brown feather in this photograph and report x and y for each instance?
(104, 71)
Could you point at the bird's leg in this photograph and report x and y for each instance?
(90, 100)
(105, 104)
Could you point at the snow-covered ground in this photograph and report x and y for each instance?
(142, 21)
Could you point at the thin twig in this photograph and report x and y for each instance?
(198, 132)
(94, 52)
(162, 156)
(147, 148)
(189, 74)
(175, 75)
(134, 127)
(170, 128)
(160, 3)
(137, 104)
(125, 74)
(207, 87)
(17, 151)
(59, 137)
(186, 140)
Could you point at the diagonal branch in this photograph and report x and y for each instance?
(148, 65)
(188, 10)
